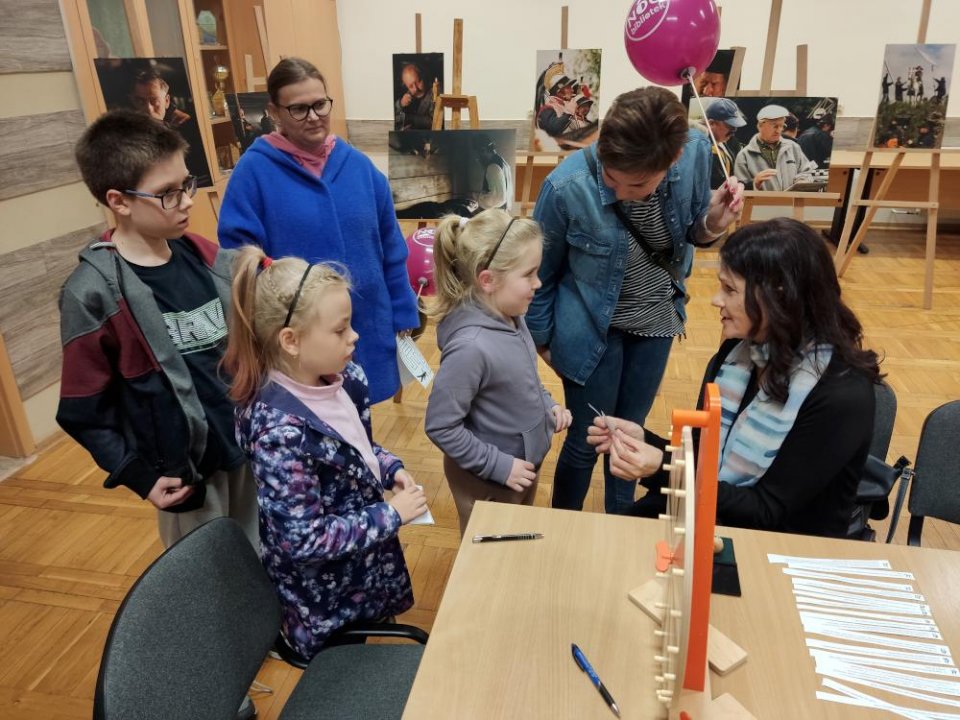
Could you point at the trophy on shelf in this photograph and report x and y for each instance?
(219, 99)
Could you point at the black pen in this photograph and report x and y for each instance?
(584, 665)
(501, 538)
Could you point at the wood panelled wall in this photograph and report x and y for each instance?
(46, 216)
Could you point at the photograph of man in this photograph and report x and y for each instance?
(414, 98)
(713, 81)
(157, 87)
(151, 95)
(770, 161)
(556, 114)
(817, 141)
(724, 118)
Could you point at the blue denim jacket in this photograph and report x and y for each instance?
(585, 252)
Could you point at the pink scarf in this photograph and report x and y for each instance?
(314, 162)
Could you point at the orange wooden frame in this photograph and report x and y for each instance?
(708, 465)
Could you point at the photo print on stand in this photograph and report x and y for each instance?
(914, 90)
(157, 87)
(770, 143)
(436, 172)
(417, 81)
(566, 105)
(248, 113)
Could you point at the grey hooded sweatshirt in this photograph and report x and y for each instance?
(488, 405)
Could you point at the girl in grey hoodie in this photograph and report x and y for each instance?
(488, 411)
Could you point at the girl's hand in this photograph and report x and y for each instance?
(631, 459)
(522, 475)
(599, 434)
(402, 480)
(409, 503)
(562, 418)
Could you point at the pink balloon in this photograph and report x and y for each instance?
(665, 37)
(420, 261)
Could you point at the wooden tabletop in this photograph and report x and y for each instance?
(500, 646)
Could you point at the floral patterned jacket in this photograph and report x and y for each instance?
(328, 539)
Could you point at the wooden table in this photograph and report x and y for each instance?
(500, 647)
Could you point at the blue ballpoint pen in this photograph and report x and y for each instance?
(584, 665)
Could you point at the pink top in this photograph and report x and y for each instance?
(331, 404)
(314, 162)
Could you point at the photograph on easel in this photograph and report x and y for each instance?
(157, 87)
(436, 172)
(770, 143)
(417, 81)
(248, 113)
(713, 81)
(566, 105)
(914, 90)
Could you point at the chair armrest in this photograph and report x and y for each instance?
(381, 629)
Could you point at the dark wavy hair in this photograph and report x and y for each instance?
(791, 283)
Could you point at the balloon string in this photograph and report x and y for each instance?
(688, 76)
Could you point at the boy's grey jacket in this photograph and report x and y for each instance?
(488, 405)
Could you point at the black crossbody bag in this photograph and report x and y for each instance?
(660, 258)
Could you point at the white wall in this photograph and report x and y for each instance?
(845, 38)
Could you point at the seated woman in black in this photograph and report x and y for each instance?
(796, 386)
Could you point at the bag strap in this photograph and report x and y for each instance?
(661, 259)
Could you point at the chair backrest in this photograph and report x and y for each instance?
(936, 482)
(884, 414)
(192, 632)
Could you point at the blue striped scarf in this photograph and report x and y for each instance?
(750, 442)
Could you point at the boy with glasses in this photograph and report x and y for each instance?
(143, 325)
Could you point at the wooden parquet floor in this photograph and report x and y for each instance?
(69, 549)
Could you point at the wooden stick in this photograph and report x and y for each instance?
(924, 22)
(419, 30)
(773, 31)
(871, 211)
(262, 34)
(564, 26)
(932, 215)
(801, 70)
(457, 56)
(733, 81)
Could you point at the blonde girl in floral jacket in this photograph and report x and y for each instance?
(328, 537)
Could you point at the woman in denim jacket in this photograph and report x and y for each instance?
(620, 219)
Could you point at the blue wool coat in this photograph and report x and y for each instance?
(327, 538)
(346, 216)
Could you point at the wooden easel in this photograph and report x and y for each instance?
(555, 156)
(456, 100)
(846, 248)
(797, 200)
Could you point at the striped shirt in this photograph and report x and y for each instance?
(645, 306)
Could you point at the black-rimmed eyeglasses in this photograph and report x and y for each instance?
(301, 111)
(172, 198)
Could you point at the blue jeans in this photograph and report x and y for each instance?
(624, 385)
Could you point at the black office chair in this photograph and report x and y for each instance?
(194, 630)
(935, 490)
(878, 478)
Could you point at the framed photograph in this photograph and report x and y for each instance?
(914, 90)
(771, 143)
(417, 81)
(248, 113)
(436, 172)
(714, 81)
(157, 87)
(566, 99)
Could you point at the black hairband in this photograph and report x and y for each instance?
(499, 243)
(296, 297)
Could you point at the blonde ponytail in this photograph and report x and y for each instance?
(462, 249)
(262, 293)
